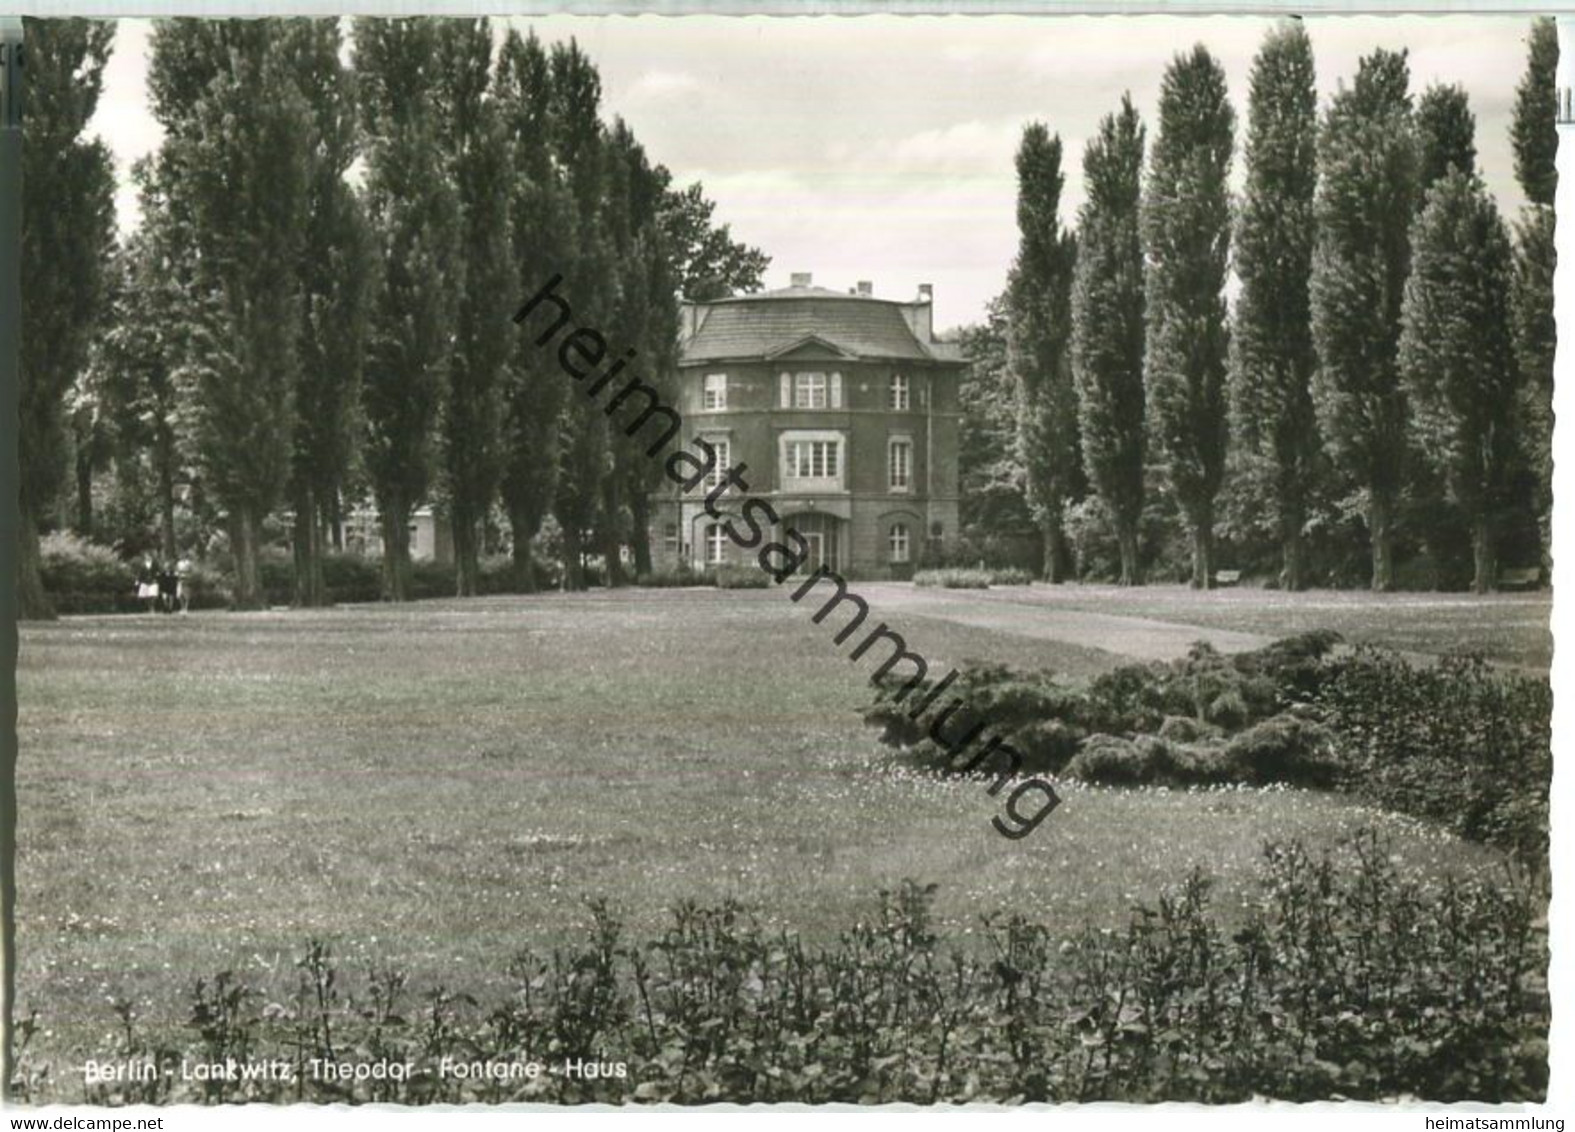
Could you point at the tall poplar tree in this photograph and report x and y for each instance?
(243, 157)
(67, 238)
(336, 271)
(1446, 137)
(1535, 137)
(590, 279)
(1186, 221)
(1456, 354)
(1364, 206)
(476, 160)
(1107, 326)
(1038, 303)
(541, 224)
(414, 217)
(1272, 357)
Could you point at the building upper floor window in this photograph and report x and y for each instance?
(898, 542)
(812, 391)
(715, 393)
(813, 459)
(899, 391)
(899, 464)
(715, 544)
(723, 447)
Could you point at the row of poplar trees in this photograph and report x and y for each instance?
(1385, 321)
(331, 246)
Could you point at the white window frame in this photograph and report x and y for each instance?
(713, 392)
(900, 397)
(905, 482)
(791, 481)
(715, 544)
(807, 385)
(899, 543)
(723, 447)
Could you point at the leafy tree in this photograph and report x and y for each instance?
(414, 217)
(143, 352)
(67, 237)
(990, 475)
(579, 148)
(1536, 147)
(541, 223)
(335, 294)
(1186, 221)
(710, 263)
(1456, 354)
(1038, 304)
(1533, 130)
(1445, 137)
(477, 161)
(1108, 326)
(1363, 209)
(241, 148)
(1272, 350)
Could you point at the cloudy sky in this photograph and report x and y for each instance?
(880, 147)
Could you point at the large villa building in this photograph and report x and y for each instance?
(843, 406)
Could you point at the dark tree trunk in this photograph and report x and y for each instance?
(1484, 554)
(1055, 551)
(612, 545)
(243, 546)
(395, 519)
(640, 537)
(166, 457)
(1292, 556)
(1127, 541)
(467, 564)
(573, 559)
(311, 589)
(84, 468)
(33, 603)
(1380, 524)
(1203, 552)
(334, 521)
(522, 528)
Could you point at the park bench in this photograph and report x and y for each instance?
(1520, 578)
(1227, 577)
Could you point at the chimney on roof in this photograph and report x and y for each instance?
(802, 279)
(866, 288)
(926, 293)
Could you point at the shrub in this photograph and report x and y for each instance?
(1185, 729)
(954, 578)
(734, 576)
(84, 577)
(1286, 749)
(1342, 979)
(1046, 746)
(1010, 576)
(1112, 761)
(670, 578)
(1460, 743)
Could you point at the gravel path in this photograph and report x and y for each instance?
(1141, 638)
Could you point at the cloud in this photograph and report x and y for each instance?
(665, 84)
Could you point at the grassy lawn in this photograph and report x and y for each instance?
(441, 784)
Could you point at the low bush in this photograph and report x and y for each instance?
(84, 577)
(954, 578)
(735, 576)
(670, 578)
(1286, 749)
(1460, 743)
(1342, 979)
(1010, 576)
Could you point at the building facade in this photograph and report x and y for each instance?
(844, 409)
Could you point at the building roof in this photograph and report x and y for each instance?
(772, 323)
